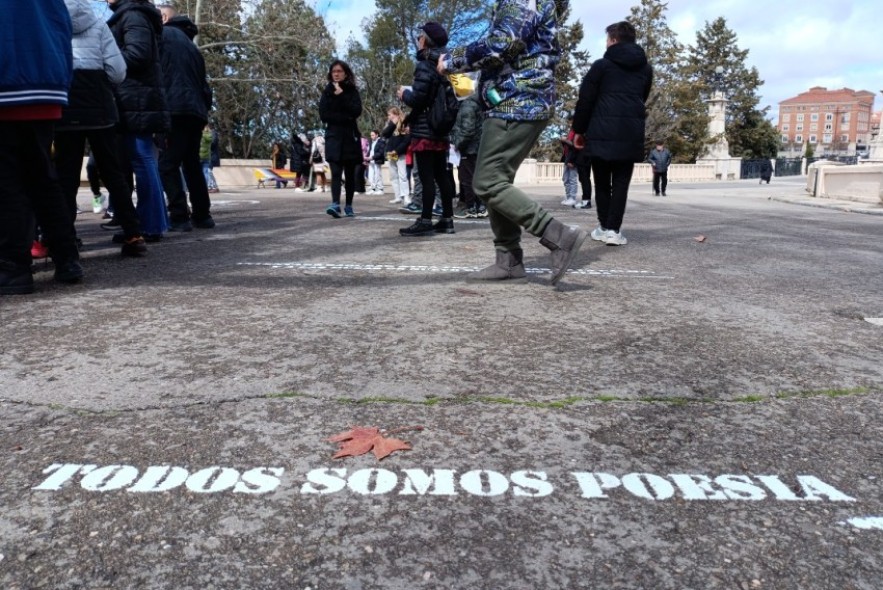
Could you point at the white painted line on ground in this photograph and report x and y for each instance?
(226, 204)
(643, 274)
(411, 218)
(875, 321)
(867, 523)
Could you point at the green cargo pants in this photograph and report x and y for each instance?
(504, 146)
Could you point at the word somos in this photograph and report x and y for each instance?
(598, 486)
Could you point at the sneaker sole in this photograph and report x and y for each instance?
(581, 237)
(333, 213)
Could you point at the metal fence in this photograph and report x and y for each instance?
(789, 166)
(752, 168)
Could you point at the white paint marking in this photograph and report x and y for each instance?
(875, 321)
(230, 204)
(407, 218)
(643, 274)
(867, 523)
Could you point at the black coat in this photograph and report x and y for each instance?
(420, 97)
(137, 27)
(378, 156)
(395, 143)
(187, 90)
(300, 155)
(339, 112)
(611, 111)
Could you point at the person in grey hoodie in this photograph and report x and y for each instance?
(91, 114)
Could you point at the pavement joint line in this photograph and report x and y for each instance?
(445, 269)
(430, 401)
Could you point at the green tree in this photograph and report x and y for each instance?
(747, 130)
(385, 60)
(676, 113)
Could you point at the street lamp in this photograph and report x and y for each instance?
(719, 78)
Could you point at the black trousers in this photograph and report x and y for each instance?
(660, 179)
(585, 180)
(343, 173)
(612, 181)
(466, 172)
(432, 166)
(359, 177)
(182, 152)
(93, 176)
(69, 149)
(29, 188)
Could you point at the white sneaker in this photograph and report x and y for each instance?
(568, 202)
(396, 201)
(98, 203)
(615, 238)
(299, 190)
(599, 234)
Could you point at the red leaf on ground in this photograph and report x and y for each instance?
(700, 238)
(359, 440)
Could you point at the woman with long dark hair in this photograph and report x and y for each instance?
(340, 108)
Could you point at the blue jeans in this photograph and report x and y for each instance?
(210, 181)
(151, 207)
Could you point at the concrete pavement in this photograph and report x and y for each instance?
(678, 414)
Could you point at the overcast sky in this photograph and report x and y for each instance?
(794, 44)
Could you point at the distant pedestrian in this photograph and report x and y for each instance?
(209, 157)
(609, 122)
(377, 153)
(466, 137)
(766, 171)
(660, 160)
(278, 159)
(340, 108)
(570, 175)
(397, 142)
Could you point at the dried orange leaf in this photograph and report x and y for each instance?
(700, 238)
(385, 446)
(359, 440)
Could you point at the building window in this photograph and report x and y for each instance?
(829, 127)
(785, 127)
(844, 126)
(826, 138)
(813, 139)
(814, 117)
(784, 139)
(814, 127)
(786, 118)
(829, 116)
(798, 138)
(800, 118)
(844, 138)
(844, 118)
(799, 128)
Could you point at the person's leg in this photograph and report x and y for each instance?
(571, 184)
(396, 185)
(16, 222)
(602, 173)
(92, 176)
(622, 177)
(200, 202)
(585, 179)
(109, 161)
(69, 149)
(466, 171)
(351, 173)
(504, 146)
(151, 204)
(336, 179)
(444, 183)
(47, 200)
(656, 176)
(426, 175)
(170, 172)
(358, 177)
(404, 181)
(663, 176)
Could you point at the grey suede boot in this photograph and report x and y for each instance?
(564, 241)
(508, 267)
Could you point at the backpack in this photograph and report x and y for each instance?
(443, 111)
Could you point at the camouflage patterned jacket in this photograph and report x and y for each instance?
(517, 59)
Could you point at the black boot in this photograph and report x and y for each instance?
(445, 225)
(421, 227)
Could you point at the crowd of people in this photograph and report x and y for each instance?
(109, 84)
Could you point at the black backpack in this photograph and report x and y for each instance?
(443, 111)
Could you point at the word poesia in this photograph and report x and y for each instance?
(444, 482)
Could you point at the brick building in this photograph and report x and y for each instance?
(835, 122)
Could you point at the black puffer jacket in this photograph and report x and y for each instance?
(397, 143)
(611, 110)
(339, 112)
(187, 91)
(137, 28)
(422, 93)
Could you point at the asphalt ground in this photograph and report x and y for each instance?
(697, 409)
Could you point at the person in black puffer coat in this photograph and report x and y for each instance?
(137, 27)
(91, 114)
(339, 108)
(189, 98)
(300, 159)
(430, 150)
(609, 121)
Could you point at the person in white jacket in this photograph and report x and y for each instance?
(91, 115)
